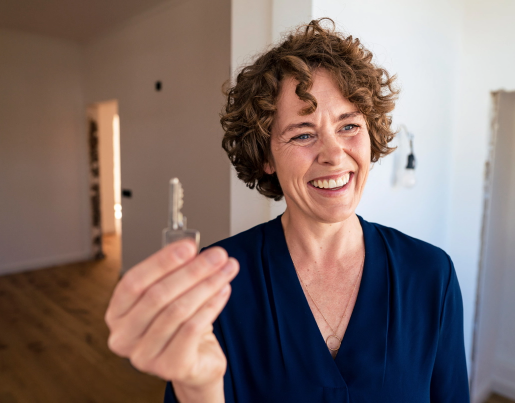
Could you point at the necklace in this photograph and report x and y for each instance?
(332, 336)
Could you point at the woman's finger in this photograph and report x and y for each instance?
(180, 356)
(143, 275)
(131, 327)
(165, 325)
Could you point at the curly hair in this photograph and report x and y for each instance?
(251, 102)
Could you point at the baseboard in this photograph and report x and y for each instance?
(44, 262)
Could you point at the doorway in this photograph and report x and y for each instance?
(105, 181)
(493, 355)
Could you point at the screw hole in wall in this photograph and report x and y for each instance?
(158, 85)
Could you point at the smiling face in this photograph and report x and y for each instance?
(321, 159)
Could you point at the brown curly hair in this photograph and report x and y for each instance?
(251, 102)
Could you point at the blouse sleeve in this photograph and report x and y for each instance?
(449, 380)
(170, 394)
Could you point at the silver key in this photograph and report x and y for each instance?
(176, 221)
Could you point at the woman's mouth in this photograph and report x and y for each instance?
(332, 184)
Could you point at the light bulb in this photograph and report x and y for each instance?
(409, 178)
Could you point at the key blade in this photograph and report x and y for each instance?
(175, 204)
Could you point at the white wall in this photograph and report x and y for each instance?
(44, 210)
(287, 14)
(172, 132)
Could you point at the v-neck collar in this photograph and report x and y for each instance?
(361, 359)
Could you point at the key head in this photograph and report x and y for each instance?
(170, 236)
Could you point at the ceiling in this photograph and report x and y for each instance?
(77, 20)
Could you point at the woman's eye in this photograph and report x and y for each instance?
(302, 137)
(349, 127)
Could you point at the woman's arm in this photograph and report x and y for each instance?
(208, 394)
(449, 381)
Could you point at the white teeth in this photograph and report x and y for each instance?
(332, 183)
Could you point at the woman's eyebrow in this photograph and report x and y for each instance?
(347, 115)
(294, 126)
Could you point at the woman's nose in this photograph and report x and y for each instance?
(331, 151)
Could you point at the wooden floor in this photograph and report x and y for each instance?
(53, 337)
(495, 398)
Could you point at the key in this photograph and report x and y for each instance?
(176, 221)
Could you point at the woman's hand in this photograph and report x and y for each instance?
(161, 315)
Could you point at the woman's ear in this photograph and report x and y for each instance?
(268, 168)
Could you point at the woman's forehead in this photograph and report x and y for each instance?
(324, 88)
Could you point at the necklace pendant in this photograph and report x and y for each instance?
(333, 342)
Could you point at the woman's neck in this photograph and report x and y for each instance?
(322, 243)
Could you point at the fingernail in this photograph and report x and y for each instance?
(183, 251)
(228, 267)
(214, 256)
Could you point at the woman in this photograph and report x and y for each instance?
(326, 307)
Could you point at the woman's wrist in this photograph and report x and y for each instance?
(212, 393)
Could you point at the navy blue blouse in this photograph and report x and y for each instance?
(404, 341)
